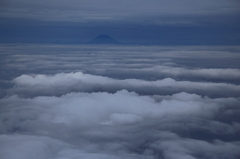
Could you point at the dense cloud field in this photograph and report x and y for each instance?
(99, 102)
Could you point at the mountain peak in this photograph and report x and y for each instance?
(103, 39)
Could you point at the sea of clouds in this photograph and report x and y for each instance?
(98, 102)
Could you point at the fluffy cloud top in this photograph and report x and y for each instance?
(63, 83)
(122, 124)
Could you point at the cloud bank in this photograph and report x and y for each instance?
(63, 83)
(122, 124)
(92, 102)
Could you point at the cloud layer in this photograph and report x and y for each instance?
(63, 83)
(72, 102)
(122, 124)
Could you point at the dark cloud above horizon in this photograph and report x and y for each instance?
(140, 11)
(174, 22)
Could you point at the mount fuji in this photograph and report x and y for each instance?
(103, 39)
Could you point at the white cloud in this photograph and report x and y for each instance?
(28, 147)
(207, 73)
(123, 119)
(119, 125)
(87, 113)
(63, 83)
(148, 62)
(192, 149)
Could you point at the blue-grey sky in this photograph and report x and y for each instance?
(135, 21)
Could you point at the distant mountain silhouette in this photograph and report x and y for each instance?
(103, 39)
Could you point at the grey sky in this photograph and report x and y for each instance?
(155, 12)
(129, 21)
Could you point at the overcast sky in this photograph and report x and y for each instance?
(112, 16)
(141, 11)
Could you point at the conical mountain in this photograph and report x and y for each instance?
(103, 39)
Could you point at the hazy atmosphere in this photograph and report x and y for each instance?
(172, 22)
(108, 79)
